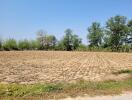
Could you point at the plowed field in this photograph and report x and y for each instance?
(59, 66)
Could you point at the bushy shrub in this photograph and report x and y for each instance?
(24, 45)
(34, 44)
(60, 46)
(82, 48)
(125, 48)
(0, 44)
(10, 44)
(93, 48)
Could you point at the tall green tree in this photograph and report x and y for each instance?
(129, 24)
(95, 34)
(118, 31)
(70, 40)
(129, 39)
(76, 41)
(67, 41)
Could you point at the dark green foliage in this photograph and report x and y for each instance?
(76, 42)
(129, 24)
(10, 44)
(118, 31)
(70, 40)
(95, 34)
(67, 41)
(129, 39)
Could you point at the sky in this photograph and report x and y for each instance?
(21, 19)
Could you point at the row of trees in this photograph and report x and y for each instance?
(115, 36)
(12, 44)
(44, 42)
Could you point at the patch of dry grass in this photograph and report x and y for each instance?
(62, 90)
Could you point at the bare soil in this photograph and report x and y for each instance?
(29, 67)
(125, 96)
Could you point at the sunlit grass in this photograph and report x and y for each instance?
(71, 89)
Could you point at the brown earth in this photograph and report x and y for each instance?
(60, 66)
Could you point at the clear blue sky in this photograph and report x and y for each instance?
(23, 18)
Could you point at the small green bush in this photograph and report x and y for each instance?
(24, 45)
(34, 44)
(125, 48)
(60, 46)
(0, 44)
(82, 48)
(10, 44)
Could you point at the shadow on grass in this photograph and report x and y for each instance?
(127, 71)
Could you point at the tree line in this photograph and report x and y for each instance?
(116, 35)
